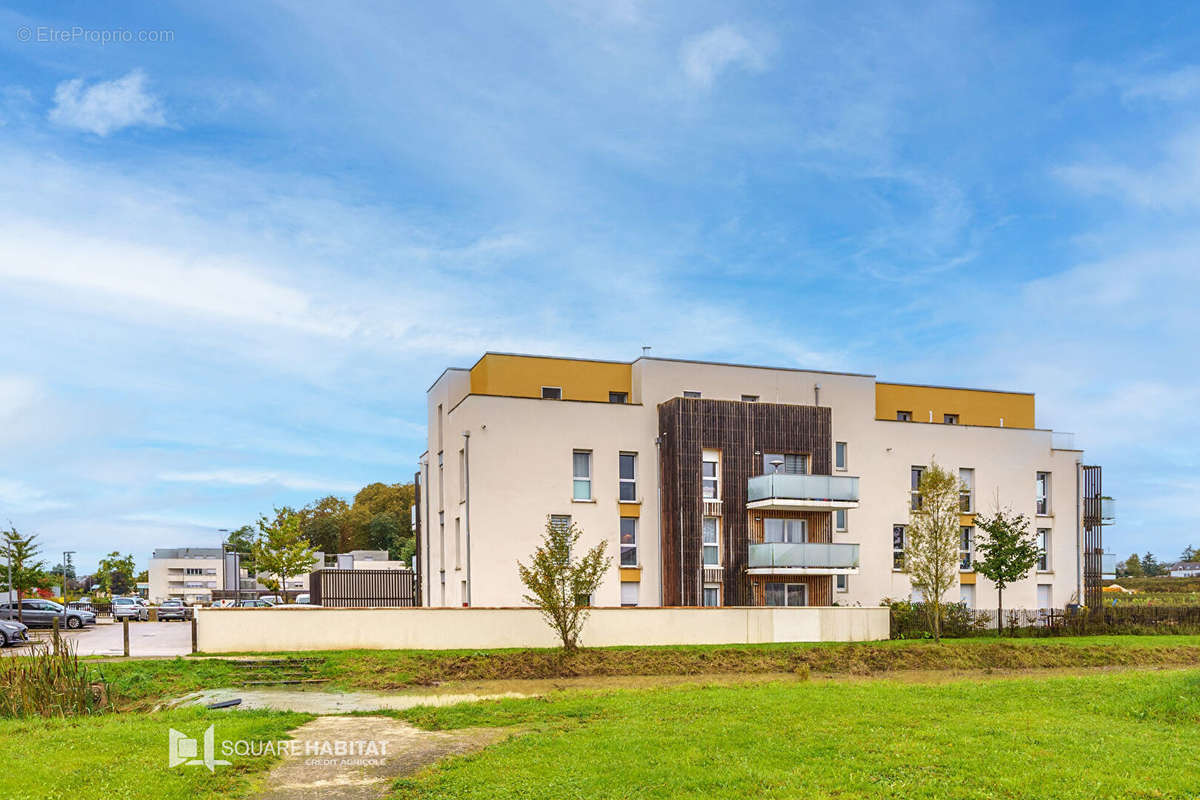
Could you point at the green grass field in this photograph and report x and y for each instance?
(141, 683)
(125, 755)
(1130, 735)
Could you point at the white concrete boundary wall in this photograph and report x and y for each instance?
(233, 630)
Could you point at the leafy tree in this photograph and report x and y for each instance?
(27, 573)
(561, 586)
(1151, 567)
(242, 539)
(931, 556)
(381, 498)
(116, 573)
(384, 532)
(1133, 567)
(325, 523)
(1007, 552)
(1190, 554)
(281, 550)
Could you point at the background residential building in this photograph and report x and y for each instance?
(723, 484)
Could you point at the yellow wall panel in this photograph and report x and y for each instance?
(524, 376)
(973, 406)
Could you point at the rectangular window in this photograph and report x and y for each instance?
(915, 487)
(786, 594)
(712, 595)
(581, 475)
(462, 475)
(618, 397)
(560, 521)
(749, 398)
(792, 531)
(966, 491)
(711, 541)
(710, 475)
(950, 419)
(627, 477)
(629, 593)
(442, 539)
(1043, 543)
(787, 463)
(904, 416)
(629, 556)
(965, 547)
(1043, 493)
(839, 519)
(691, 393)
(458, 542)
(898, 547)
(1045, 595)
(551, 393)
(841, 583)
(839, 455)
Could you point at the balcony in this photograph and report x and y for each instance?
(804, 558)
(780, 492)
(1108, 510)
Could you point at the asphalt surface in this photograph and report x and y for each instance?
(146, 639)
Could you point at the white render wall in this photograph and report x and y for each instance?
(520, 471)
(233, 630)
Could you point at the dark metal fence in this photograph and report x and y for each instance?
(909, 621)
(362, 588)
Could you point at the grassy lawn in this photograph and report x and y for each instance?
(140, 683)
(1129, 735)
(125, 755)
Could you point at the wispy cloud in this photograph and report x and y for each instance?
(18, 496)
(706, 56)
(251, 477)
(107, 106)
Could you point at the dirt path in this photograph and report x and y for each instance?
(378, 750)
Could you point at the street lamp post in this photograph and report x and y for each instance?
(66, 562)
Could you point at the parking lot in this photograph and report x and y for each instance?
(147, 639)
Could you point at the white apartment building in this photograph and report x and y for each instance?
(187, 573)
(723, 484)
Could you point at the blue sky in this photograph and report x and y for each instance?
(232, 262)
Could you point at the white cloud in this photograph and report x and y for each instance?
(107, 106)
(706, 56)
(1172, 86)
(250, 477)
(19, 496)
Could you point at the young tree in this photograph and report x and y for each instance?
(1007, 551)
(281, 550)
(1190, 554)
(1151, 567)
(18, 553)
(1133, 567)
(931, 554)
(561, 586)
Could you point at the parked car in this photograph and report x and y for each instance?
(173, 609)
(254, 604)
(303, 599)
(272, 599)
(129, 608)
(43, 612)
(227, 603)
(12, 632)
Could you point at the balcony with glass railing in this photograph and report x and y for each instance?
(803, 558)
(783, 492)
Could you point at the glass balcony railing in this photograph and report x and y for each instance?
(836, 488)
(804, 555)
(1108, 508)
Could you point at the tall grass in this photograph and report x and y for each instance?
(50, 682)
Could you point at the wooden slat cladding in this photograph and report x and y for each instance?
(820, 588)
(820, 523)
(688, 426)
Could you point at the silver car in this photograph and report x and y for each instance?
(129, 608)
(12, 632)
(44, 612)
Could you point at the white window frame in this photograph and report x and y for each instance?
(715, 545)
(636, 587)
(841, 583)
(622, 482)
(557, 389)
(1045, 538)
(579, 481)
(966, 477)
(705, 589)
(793, 531)
(627, 547)
(710, 457)
(915, 473)
(841, 520)
(966, 555)
(899, 551)
(788, 590)
(842, 449)
(1042, 506)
